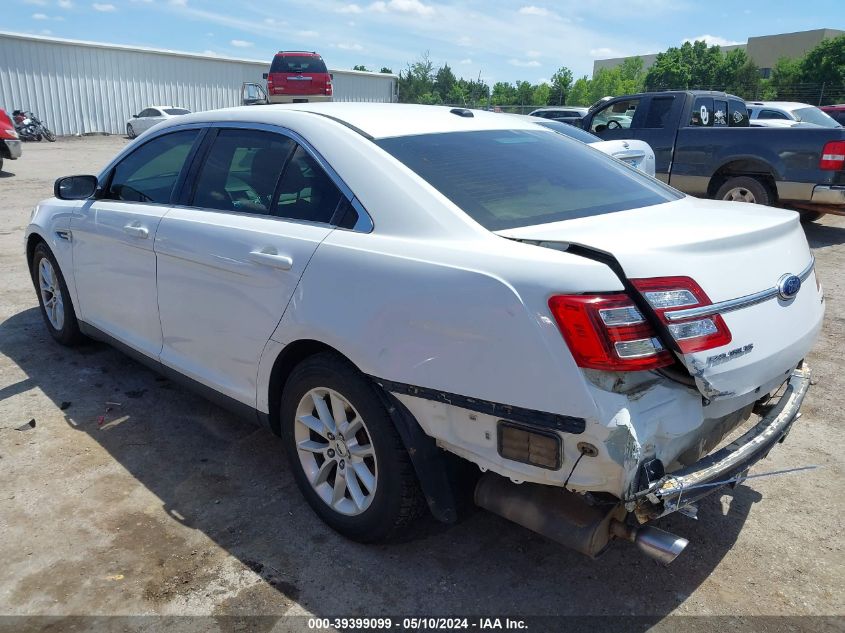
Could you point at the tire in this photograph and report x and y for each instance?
(1, 163)
(49, 135)
(810, 216)
(385, 499)
(745, 189)
(130, 131)
(59, 315)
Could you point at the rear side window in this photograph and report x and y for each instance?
(150, 172)
(241, 171)
(772, 114)
(306, 191)
(176, 111)
(702, 112)
(737, 113)
(720, 112)
(297, 64)
(510, 178)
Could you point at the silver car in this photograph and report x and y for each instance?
(149, 117)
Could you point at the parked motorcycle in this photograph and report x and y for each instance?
(29, 128)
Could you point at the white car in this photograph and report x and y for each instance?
(634, 153)
(786, 114)
(402, 291)
(148, 117)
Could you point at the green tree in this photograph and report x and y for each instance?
(503, 93)
(825, 64)
(444, 83)
(524, 93)
(360, 67)
(561, 83)
(386, 70)
(579, 95)
(416, 82)
(541, 94)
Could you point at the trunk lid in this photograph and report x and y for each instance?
(731, 250)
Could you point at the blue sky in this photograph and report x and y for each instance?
(503, 40)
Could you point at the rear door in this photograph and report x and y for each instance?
(113, 258)
(231, 256)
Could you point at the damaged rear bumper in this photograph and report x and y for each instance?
(681, 488)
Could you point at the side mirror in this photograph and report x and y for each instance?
(75, 187)
(264, 75)
(134, 116)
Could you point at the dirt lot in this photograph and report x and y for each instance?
(172, 506)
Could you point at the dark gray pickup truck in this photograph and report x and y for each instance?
(703, 146)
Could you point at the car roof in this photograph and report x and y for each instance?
(376, 120)
(283, 53)
(558, 108)
(783, 105)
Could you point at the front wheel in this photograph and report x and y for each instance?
(130, 131)
(347, 457)
(745, 189)
(48, 134)
(53, 297)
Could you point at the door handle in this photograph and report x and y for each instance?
(269, 256)
(136, 230)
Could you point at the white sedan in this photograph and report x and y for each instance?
(403, 291)
(634, 153)
(148, 117)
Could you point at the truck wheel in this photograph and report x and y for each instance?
(347, 457)
(810, 216)
(744, 189)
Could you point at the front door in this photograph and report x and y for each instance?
(113, 258)
(230, 259)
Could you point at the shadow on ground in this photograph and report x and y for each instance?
(821, 235)
(230, 480)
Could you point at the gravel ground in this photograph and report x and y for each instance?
(172, 506)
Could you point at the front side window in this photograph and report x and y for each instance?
(510, 178)
(241, 171)
(306, 192)
(772, 114)
(617, 115)
(150, 172)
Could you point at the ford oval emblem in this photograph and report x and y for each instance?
(788, 286)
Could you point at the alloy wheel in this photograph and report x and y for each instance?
(740, 194)
(51, 294)
(336, 451)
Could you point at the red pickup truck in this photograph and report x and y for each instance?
(10, 144)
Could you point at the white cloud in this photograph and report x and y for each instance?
(464, 40)
(712, 40)
(465, 62)
(211, 53)
(241, 43)
(604, 53)
(350, 8)
(46, 32)
(40, 3)
(349, 47)
(104, 8)
(523, 64)
(179, 3)
(65, 4)
(307, 34)
(539, 11)
(274, 22)
(40, 16)
(402, 6)
(533, 54)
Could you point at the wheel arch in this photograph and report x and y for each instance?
(32, 241)
(744, 166)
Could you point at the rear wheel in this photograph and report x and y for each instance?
(53, 297)
(745, 189)
(810, 216)
(347, 458)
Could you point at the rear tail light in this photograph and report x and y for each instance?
(666, 294)
(329, 88)
(833, 156)
(609, 332)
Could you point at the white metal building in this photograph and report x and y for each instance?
(80, 87)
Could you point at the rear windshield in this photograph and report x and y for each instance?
(511, 178)
(814, 115)
(176, 111)
(297, 64)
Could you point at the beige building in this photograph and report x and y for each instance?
(764, 50)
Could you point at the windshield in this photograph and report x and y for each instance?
(570, 130)
(511, 178)
(816, 116)
(176, 111)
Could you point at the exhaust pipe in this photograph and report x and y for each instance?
(566, 518)
(662, 546)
